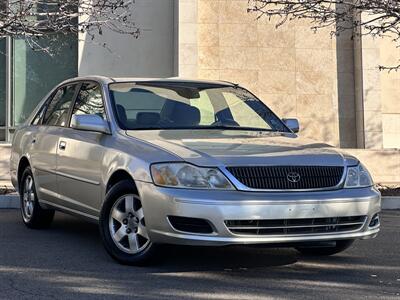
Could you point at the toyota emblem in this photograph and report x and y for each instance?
(293, 177)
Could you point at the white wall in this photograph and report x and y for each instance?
(151, 55)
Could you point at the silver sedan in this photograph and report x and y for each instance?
(186, 162)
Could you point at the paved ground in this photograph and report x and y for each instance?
(68, 261)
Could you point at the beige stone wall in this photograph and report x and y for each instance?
(390, 95)
(384, 165)
(378, 93)
(332, 85)
(292, 69)
(187, 38)
(4, 165)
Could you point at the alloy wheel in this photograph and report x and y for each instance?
(28, 197)
(127, 226)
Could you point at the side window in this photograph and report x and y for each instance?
(89, 101)
(39, 115)
(57, 110)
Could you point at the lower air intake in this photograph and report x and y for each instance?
(296, 226)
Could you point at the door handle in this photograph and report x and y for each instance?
(34, 141)
(62, 145)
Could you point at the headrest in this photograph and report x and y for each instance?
(185, 115)
(147, 118)
(122, 115)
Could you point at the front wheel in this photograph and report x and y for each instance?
(123, 228)
(339, 246)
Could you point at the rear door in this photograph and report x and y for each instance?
(80, 154)
(45, 140)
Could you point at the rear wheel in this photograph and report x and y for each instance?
(315, 250)
(32, 214)
(123, 228)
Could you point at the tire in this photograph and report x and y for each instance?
(311, 250)
(33, 215)
(122, 226)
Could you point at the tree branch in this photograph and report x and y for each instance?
(380, 18)
(35, 19)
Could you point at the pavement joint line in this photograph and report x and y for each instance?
(12, 201)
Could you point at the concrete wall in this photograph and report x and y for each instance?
(295, 71)
(152, 55)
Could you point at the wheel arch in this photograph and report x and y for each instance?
(118, 176)
(23, 163)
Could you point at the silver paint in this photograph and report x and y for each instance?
(72, 167)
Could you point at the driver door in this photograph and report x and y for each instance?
(80, 155)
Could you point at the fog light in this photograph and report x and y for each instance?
(190, 225)
(374, 221)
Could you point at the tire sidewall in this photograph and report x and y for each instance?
(120, 189)
(28, 172)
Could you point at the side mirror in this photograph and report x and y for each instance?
(293, 124)
(90, 123)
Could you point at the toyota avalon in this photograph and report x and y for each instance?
(173, 161)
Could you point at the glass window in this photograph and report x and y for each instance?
(57, 110)
(203, 103)
(175, 105)
(89, 101)
(242, 113)
(35, 73)
(2, 83)
(39, 115)
(144, 101)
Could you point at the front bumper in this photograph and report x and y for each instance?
(218, 206)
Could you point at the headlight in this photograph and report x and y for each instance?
(358, 177)
(182, 175)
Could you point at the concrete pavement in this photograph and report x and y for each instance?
(68, 261)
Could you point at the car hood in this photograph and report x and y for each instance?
(235, 148)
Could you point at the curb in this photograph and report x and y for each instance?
(12, 201)
(391, 202)
(9, 201)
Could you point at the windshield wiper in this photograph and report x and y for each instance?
(206, 127)
(227, 127)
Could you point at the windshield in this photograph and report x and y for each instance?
(175, 105)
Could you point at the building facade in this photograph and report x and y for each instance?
(331, 84)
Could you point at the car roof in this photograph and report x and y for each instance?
(108, 80)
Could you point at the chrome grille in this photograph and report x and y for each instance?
(276, 177)
(296, 226)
